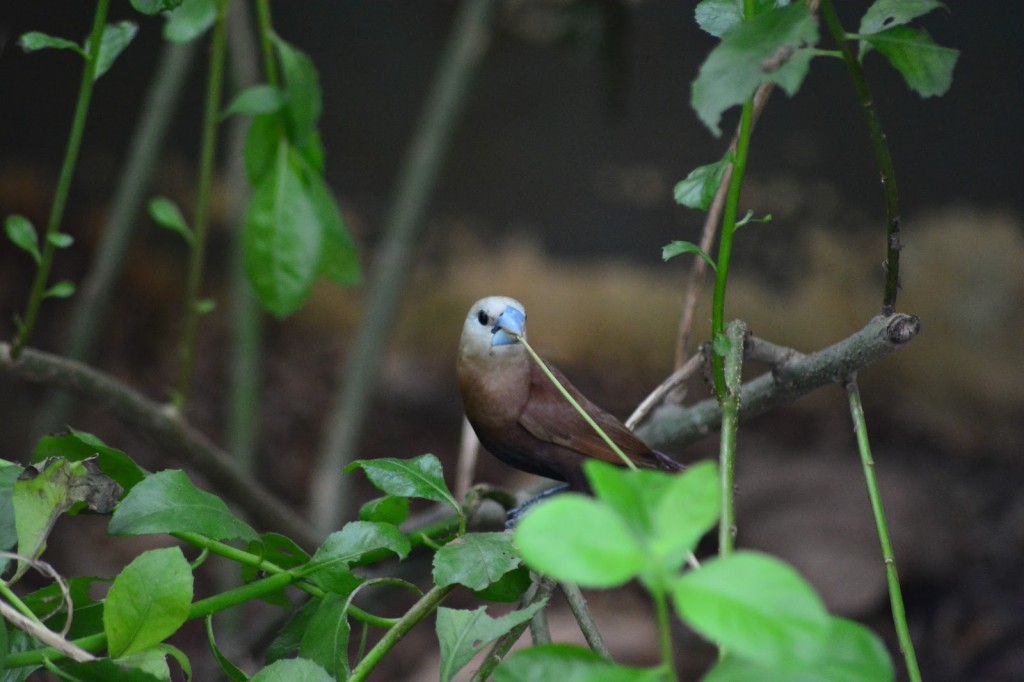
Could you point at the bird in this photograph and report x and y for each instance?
(520, 417)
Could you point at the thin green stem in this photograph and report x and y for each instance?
(266, 32)
(882, 156)
(572, 401)
(668, 661)
(16, 602)
(733, 371)
(67, 173)
(207, 155)
(420, 610)
(899, 614)
(732, 200)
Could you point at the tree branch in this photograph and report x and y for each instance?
(675, 425)
(165, 428)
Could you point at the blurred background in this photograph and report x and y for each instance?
(557, 190)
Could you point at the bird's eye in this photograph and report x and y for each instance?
(481, 317)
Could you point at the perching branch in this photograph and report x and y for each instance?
(170, 432)
(677, 426)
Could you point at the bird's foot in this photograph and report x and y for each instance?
(512, 519)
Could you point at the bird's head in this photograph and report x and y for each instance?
(493, 322)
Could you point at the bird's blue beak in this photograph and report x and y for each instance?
(509, 326)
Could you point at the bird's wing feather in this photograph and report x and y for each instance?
(549, 417)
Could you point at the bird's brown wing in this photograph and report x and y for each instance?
(549, 417)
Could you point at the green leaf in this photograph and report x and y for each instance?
(258, 99)
(167, 502)
(105, 670)
(756, 607)
(329, 566)
(63, 289)
(303, 89)
(166, 213)
(463, 634)
(35, 40)
(926, 67)
(721, 344)
(420, 476)
(508, 588)
(718, 16)
(289, 637)
(280, 550)
(886, 14)
(575, 538)
(230, 670)
(190, 20)
(76, 446)
(699, 188)
(569, 663)
(475, 560)
(854, 654)
(152, 661)
(152, 7)
(292, 670)
(115, 39)
(339, 258)
(265, 135)
(388, 509)
(60, 240)
(670, 512)
(325, 640)
(9, 472)
(22, 233)
(283, 238)
(51, 488)
(48, 603)
(771, 47)
(148, 601)
(676, 248)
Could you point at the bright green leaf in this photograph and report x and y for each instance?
(22, 233)
(63, 289)
(771, 47)
(148, 601)
(292, 670)
(569, 663)
(718, 16)
(105, 670)
(166, 213)
(575, 538)
(676, 248)
(854, 654)
(60, 240)
(475, 560)
(325, 640)
(258, 99)
(152, 661)
(302, 86)
(76, 446)
(167, 502)
(9, 472)
(721, 344)
(508, 588)
(388, 509)
(35, 40)
(463, 634)
(420, 476)
(886, 14)
(339, 259)
(329, 565)
(283, 238)
(699, 188)
(116, 37)
(265, 136)
(757, 607)
(926, 67)
(190, 20)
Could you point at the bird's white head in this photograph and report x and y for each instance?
(492, 322)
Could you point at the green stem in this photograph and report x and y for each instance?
(572, 401)
(732, 200)
(207, 154)
(420, 610)
(664, 632)
(899, 614)
(10, 596)
(266, 31)
(882, 156)
(733, 370)
(67, 172)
